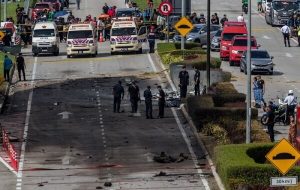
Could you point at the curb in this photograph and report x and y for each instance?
(193, 127)
(7, 88)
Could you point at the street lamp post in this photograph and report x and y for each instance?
(183, 12)
(248, 112)
(208, 47)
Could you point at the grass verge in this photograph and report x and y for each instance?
(142, 4)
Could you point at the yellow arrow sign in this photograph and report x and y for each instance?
(184, 26)
(283, 156)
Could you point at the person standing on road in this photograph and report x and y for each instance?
(291, 102)
(134, 93)
(148, 102)
(161, 102)
(105, 8)
(197, 82)
(261, 90)
(118, 93)
(7, 66)
(183, 82)
(78, 4)
(256, 93)
(293, 131)
(223, 20)
(286, 32)
(270, 122)
(259, 5)
(151, 40)
(21, 66)
(240, 18)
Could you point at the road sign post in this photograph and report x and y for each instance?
(283, 156)
(183, 14)
(165, 8)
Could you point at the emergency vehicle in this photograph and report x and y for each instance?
(11, 29)
(230, 30)
(45, 38)
(82, 40)
(126, 36)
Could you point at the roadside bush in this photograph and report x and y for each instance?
(237, 167)
(187, 45)
(226, 76)
(221, 99)
(224, 88)
(165, 47)
(200, 63)
(220, 134)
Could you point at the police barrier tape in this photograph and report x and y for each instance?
(10, 151)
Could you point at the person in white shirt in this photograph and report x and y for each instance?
(291, 102)
(240, 18)
(286, 32)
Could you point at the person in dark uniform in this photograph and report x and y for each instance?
(161, 102)
(197, 82)
(7, 39)
(21, 66)
(118, 92)
(134, 93)
(270, 122)
(151, 39)
(148, 102)
(183, 82)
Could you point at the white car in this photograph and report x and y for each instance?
(266, 4)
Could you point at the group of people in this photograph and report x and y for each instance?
(134, 94)
(8, 64)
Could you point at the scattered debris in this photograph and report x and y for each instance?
(99, 187)
(107, 184)
(77, 154)
(161, 173)
(164, 158)
(90, 156)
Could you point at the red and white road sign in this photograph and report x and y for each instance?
(165, 8)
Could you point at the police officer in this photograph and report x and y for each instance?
(286, 32)
(78, 4)
(183, 82)
(118, 93)
(291, 102)
(21, 66)
(134, 93)
(197, 82)
(151, 39)
(161, 102)
(148, 102)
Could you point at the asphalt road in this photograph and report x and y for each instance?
(72, 139)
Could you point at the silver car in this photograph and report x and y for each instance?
(261, 62)
(215, 42)
(199, 34)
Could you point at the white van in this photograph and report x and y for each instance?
(45, 38)
(82, 39)
(125, 36)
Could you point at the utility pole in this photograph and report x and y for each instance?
(183, 14)
(248, 112)
(5, 10)
(208, 47)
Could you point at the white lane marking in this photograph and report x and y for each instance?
(266, 37)
(187, 141)
(289, 55)
(28, 112)
(7, 165)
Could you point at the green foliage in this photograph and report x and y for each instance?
(236, 165)
(142, 4)
(215, 130)
(224, 88)
(221, 99)
(168, 59)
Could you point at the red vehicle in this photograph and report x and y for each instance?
(239, 45)
(55, 3)
(40, 7)
(230, 30)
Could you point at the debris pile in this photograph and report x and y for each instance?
(164, 158)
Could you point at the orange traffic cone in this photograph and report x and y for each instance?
(101, 37)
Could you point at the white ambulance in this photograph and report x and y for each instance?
(125, 36)
(81, 40)
(45, 38)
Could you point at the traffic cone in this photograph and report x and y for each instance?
(101, 37)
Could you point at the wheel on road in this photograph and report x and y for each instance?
(271, 73)
(35, 54)
(140, 51)
(231, 63)
(56, 53)
(95, 54)
(68, 56)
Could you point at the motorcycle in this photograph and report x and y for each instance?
(245, 8)
(279, 112)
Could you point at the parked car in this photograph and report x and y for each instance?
(266, 4)
(55, 3)
(261, 62)
(215, 42)
(40, 7)
(199, 34)
(239, 45)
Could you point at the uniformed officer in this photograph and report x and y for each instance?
(134, 93)
(151, 39)
(197, 82)
(148, 102)
(183, 82)
(118, 92)
(161, 102)
(21, 66)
